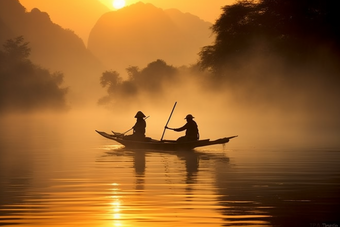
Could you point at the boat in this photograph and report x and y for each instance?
(149, 143)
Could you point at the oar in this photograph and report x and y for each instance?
(168, 120)
(122, 134)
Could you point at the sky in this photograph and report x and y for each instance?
(208, 10)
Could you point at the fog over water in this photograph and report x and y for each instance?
(268, 117)
(259, 95)
(269, 76)
(57, 171)
(260, 104)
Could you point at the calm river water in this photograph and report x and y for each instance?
(52, 174)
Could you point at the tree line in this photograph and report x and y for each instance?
(299, 33)
(259, 43)
(150, 81)
(264, 49)
(25, 86)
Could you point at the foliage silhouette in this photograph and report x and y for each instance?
(150, 81)
(25, 86)
(270, 54)
(297, 31)
(16, 49)
(54, 47)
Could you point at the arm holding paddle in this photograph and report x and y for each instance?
(133, 127)
(176, 129)
(190, 128)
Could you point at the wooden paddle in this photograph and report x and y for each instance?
(168, 120)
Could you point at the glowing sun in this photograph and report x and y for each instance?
(118, 4)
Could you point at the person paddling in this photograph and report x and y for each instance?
(138, 128)
(191, 128)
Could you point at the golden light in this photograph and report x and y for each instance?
(116, 211)
(118, 4)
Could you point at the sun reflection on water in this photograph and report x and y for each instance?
(116, 206)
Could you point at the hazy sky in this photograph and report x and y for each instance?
(208, 10)
(205, 9)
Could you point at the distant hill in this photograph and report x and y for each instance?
(141, 33)
(52, 46)
(77, 15)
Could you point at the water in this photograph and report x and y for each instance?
(56, 174)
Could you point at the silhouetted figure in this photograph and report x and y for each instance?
(191, 128)
(138, 128)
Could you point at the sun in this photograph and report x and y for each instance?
(118, 4)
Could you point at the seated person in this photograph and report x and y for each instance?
(138, 128)
(191, 133)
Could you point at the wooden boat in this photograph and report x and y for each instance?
(149, 143)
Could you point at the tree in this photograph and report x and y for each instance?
(297, 31)
(111, 80)
(16, 49)
(150, 80)
(117, 88)
(25, 86)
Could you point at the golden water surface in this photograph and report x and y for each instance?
(57, 175)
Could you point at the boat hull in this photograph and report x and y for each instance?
(149, 143)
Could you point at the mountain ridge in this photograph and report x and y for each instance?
(77, 15)
(141, 33)
(52, 47)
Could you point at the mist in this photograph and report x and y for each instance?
(268, 76)
(261, 104)
(257, 93)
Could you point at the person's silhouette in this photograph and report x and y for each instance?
(191, 133)
(138, 128)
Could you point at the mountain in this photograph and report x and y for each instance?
(52, 47)
(77, 15)
(141, 33)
